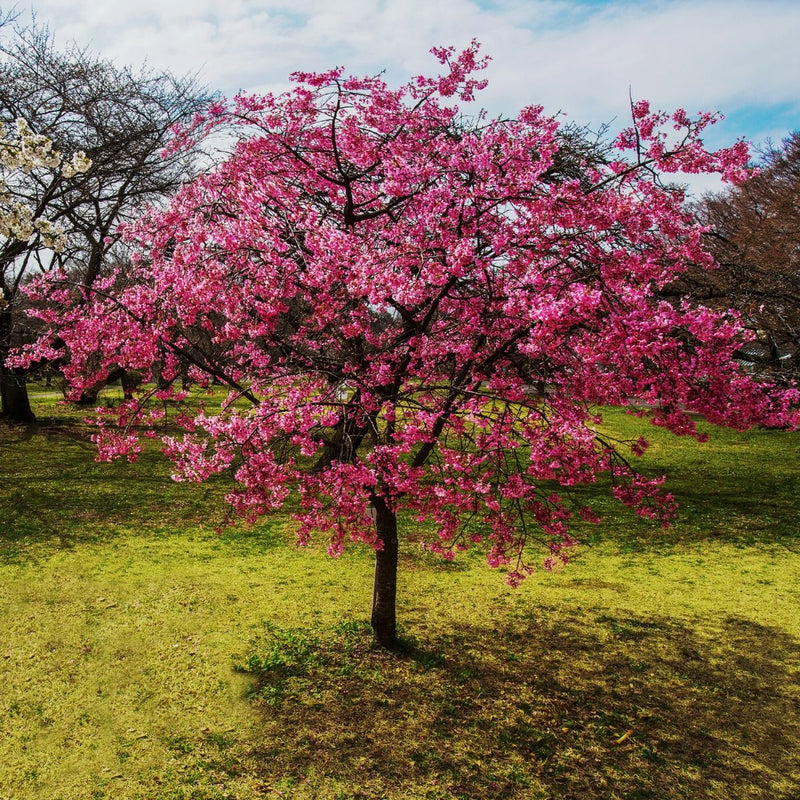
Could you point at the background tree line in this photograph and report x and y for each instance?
(754, 235)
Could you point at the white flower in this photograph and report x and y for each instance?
(25, 151)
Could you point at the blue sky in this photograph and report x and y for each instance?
(579, 57)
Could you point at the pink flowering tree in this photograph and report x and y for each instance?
(416, 313)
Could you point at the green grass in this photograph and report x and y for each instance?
(144, 655)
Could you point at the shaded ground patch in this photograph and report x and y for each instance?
(576, 705)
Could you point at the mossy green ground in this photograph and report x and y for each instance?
(144, 655)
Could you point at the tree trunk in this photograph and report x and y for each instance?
(16, 406)
(384, 596)
(88, 399)
(89, 396)
(14, 403)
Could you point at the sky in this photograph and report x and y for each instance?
(581, 58)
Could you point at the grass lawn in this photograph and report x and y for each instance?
(145, 655)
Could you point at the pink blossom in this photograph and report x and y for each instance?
(409, 308)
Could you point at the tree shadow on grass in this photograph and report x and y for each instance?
(729, 508)
(54, 495)
(581, 705)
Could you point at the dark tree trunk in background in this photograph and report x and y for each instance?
(89, 396)
(15, 405)
(384, 597)
(88, 399)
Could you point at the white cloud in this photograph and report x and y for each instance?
(699, 54)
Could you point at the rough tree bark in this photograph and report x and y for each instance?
(384, 596)
(14, 403)
(16, 406)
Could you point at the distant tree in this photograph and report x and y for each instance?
(754, 235)
(386, 284)
(121, 118)
(25, 159)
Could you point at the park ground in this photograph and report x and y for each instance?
(147, 652)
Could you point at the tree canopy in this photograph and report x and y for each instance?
(753, 234)
(414, 314)
(121, 118)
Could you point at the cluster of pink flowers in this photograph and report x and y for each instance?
(419, 309)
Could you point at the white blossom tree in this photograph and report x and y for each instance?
(25, 227)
